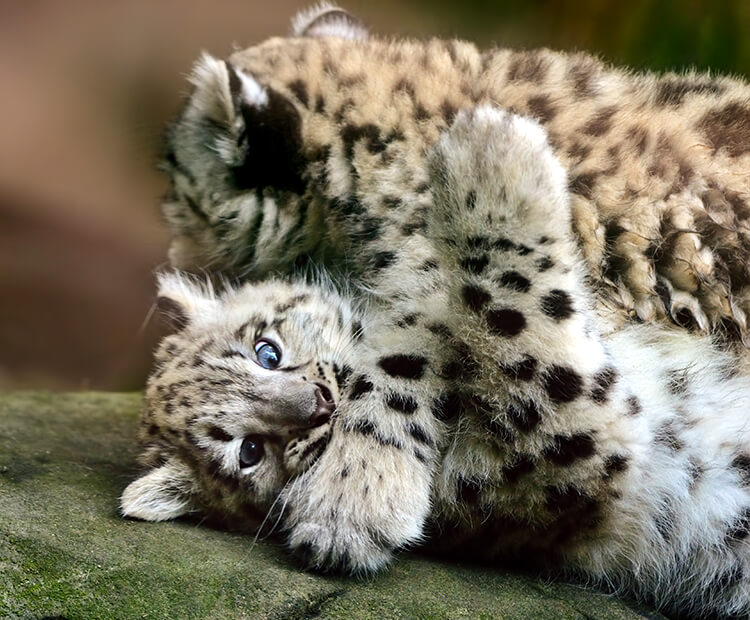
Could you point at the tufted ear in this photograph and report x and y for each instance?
(257, 131)
(161, 494)
(328, 20)
(182, 302)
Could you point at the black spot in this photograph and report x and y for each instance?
(600, 123)
(471, 200)
(567, 498)
(672, 90)
(544, 263)
(320, 104)
(381, 260)
(428, 265)
(467, 491)
(525, 415)
(505, 321)
(342, 373)
(448, 406)
(583, 184)
(299, 90)
(740, 528)
(219, 434)
(520, 371)
(402, 403)
(603, 382)
(729, 128)
(408, 320)
(440, 329)
(475, 264)
(349, 206)
(728, 580)
(557, 304)
(562, 384)
(367, 428)
(475, 297)
(634, 405)
(514, 280)
(615, 464)
(525, 465)
(503, 244)
(677, 381)
(499, 431)
(361, 386)
(369, 229)
(405, 366)
(666, 435)
(419, 434)
(541, 108)
(369, 133)
(344, 472)
(523, 250)
(565, 451)
(742, 464)
(478, 242)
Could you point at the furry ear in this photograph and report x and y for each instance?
(161, 494)
(328, 20)
(182, 302)
(271, 140)
(211, 97)
(258, 131)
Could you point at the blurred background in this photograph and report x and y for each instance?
(88, 85)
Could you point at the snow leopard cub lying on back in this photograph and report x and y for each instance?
(515, 431)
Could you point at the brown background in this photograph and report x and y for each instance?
(86, 87)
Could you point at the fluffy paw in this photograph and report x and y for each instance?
(354, 507)
(495, 168)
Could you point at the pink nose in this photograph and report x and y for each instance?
(325, 405)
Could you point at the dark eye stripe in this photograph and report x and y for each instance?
(219, 434)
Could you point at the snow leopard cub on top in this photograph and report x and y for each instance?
(313, 147)
(485, 412)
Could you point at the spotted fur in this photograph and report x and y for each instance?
(487, 410)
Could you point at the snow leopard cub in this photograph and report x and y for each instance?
(488, 415)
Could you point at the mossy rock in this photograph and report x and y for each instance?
(65, 551)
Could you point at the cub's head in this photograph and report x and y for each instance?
(247, 154)
(240, 399)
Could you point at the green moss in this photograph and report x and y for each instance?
(64, 460)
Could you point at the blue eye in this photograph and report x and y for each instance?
(267, 354)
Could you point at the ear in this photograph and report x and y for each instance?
(182, 302)
(328, 20)
(271, 138)
(161, 494)
(258, 131)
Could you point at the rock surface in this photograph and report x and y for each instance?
(65, 552)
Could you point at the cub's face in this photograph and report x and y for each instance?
(241, 398)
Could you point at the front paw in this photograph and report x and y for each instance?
(356, 506)
(495, 167)
(337, 548)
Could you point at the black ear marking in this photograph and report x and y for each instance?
(173, 313)
(273, 141)
(235, 84)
